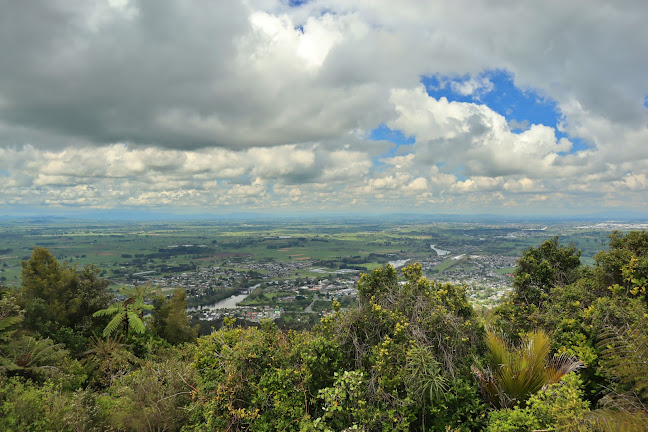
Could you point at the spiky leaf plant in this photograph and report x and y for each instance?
(423, 374)
(512, 373)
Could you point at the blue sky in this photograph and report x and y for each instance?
(503, 97)
(523, 106)
(526, 105)
(286, 106)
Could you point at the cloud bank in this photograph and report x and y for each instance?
(258, 105)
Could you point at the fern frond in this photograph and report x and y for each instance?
(625, 354)
(108, 311)
(609, 420)
(135, 323)
(114, 323)
(5, 325)
(7, 322)
(45, 350)
(139, 304)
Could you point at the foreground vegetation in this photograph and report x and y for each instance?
(566, 350)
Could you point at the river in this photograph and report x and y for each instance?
(227, 303)
(440, 252)
(398, 263)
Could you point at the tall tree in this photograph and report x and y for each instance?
(625, 264)
(44, 282)
(56, 295)
(540, 269)
(170, 320)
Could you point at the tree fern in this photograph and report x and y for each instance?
(140, 292)
(31, 357)
(107, 360)
(127, 313)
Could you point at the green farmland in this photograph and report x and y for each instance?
(125, 249)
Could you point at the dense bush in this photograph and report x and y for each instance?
(411, 356)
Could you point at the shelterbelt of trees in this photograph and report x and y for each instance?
(566, 350)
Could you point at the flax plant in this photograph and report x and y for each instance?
(512, 373)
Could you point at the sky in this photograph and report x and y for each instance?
(323, 106)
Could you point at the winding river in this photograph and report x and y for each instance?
(227, 303)
(398, 263)
(440, 252)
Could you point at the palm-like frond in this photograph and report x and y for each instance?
(518, 371)
(139, 305)
(559, 366)
(513, 373)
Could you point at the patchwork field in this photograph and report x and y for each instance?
(125, 249)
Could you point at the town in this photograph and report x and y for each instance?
(288, 272)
